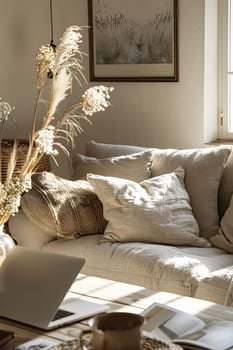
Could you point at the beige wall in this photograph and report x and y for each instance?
(150, 114)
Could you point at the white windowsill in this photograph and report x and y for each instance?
(220, 142)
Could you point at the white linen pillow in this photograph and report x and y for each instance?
(136, 166)
(156, 210)
(224, 238)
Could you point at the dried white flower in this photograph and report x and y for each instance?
(45, 59)
(45, 140)
(5, 110)
(10, 194)
(68, 53)
(95, 99)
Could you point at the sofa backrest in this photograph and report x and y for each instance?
(106, 150)
(102, 150)
(226, 186)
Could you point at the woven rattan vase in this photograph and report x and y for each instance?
(22, 148)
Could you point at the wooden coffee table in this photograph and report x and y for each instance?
(119, 297)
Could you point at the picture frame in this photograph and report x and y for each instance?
(133, 40)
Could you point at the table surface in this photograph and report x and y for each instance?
(120, 297)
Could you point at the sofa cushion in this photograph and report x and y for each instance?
(63, 206)
(180, 270)
(106, 150)
(28, 234)
(229, 297)
(224, 238)
(136, 166)
(214, 285)
(159, 267)
(203, 171)
(208, 172)
(156, 210)
(226, 186)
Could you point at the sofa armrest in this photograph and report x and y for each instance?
(26, 233)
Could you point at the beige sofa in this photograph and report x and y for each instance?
(199, 264)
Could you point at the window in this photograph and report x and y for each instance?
(226, 69)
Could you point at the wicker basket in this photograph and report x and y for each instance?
(22, 148)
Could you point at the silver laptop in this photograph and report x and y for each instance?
(33, 285)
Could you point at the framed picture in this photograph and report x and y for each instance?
(133, 40)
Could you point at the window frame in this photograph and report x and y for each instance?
(223, 85)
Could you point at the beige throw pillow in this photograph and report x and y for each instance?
(203, 170)
(156, 210)
(68, 207)
(224, 238)
(136, 167)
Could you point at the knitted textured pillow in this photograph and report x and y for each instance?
(68, 207)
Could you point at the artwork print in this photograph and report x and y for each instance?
(133, 40)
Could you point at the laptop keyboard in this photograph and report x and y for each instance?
(61, 313)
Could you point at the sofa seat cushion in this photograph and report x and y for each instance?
(215, 285)
(153, 266)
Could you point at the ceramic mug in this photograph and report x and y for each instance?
(115, 331)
